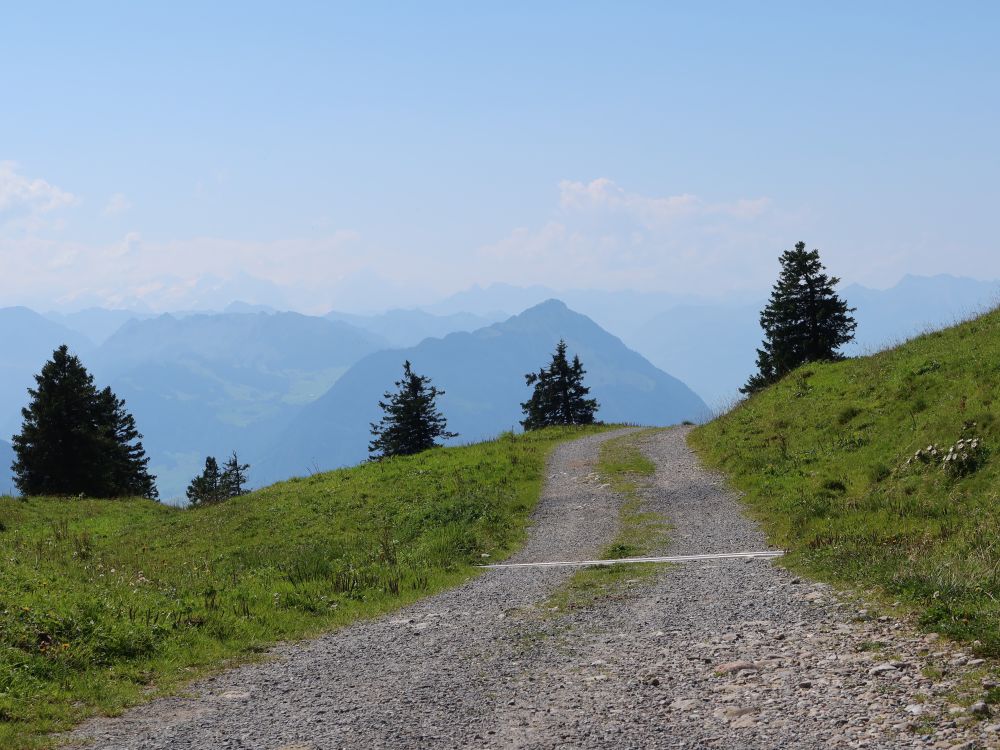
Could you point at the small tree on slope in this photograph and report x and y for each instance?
(411, 421)
(559, 397)
(804, 321)
(77, 440)
(234, 477)
(206, 488)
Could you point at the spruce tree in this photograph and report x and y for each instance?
(559, 396)
(804, 321)
(411, 421)
(206, 488)
(77, 440)
(234, 477)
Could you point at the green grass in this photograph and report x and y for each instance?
(622, 465)
(822, 460)
(106, 603)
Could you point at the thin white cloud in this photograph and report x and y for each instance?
(181, 274)
(117, 204)
(604, 195)
(24, 198)
(604, 236)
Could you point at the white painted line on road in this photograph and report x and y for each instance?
(764, 554)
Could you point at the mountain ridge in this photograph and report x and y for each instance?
(482, 375)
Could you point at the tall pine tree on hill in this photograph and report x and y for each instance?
(78, 440)
(559, 396)
(411, 422)
(804, 321)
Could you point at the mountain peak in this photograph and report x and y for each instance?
(551, 305)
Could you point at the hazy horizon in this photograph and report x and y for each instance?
(350, 157)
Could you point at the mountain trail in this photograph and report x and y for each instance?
(710, 654)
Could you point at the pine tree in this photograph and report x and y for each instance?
(77, 440)
(206, 488)
(559, 397)
(234, 477)
(411, 421)
(804, 321)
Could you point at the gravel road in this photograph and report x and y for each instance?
(721, 654)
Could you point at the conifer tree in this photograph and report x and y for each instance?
(411, 422)
(234, 477)
(804, 321)
(77, 440)
(559, 397)
(206, 488)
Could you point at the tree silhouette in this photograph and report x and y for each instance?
(559, 396)
(804, 320)
(411, 421)
(77, 440)
(206, 488)
(234, 477)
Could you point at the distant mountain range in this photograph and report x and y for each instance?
(482, 374)
(211, 384)
(713, 347)
(290, 392)
(254, 379)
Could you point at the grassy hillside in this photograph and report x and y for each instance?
(103, 603)
(828, 460)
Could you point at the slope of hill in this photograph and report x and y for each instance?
(402, 328)
(482, 374)
(713, 346)
(104, 598)
(214, 383)
(835, 460)
(27, 340)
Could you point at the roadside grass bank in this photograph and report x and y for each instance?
(622, 465)
(882, 473)
(105, 603)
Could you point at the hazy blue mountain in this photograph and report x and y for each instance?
(710, 347)
(615, 311)
(6, 476)
(258, 346)
(212, 383)
(713, 347)
(96, 323)
(402, 328)
(482, 374)
(27, 340)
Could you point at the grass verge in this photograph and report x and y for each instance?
(622, 465)
(107, 603)
(846, 465)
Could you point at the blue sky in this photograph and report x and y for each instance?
(372, 154)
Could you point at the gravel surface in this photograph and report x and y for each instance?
(722, 654)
